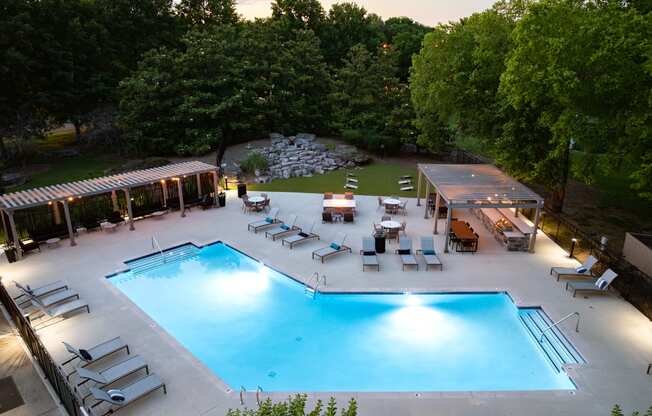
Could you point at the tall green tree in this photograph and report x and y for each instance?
(201, 12)
(294, 15)
(576, 74)
(405, 36)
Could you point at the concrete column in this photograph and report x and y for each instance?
(180, 188)
(164, 185)
(114, 200)
(199, 194)
(418, 187)
(533, 237)
(216, 185)
(437, 202)
(66, 212)
(130, 212)
(449, 217)
(425, 214)
(14, 235)
(56, 213)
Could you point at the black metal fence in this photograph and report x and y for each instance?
(45, 361)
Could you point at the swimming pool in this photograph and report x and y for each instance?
(253, 326)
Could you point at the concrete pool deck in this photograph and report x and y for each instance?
(614, 338)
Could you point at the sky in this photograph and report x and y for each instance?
(427, 12)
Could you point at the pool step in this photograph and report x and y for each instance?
(172, 255)
(555, 346)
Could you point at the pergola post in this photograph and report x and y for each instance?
(14, 235)
(418, 187)
(437, 201)
(56, 213)
(425, 214)
(199, 193)
(114, 200)
(164, 186)
(180, 189)
(130, 212)
(66, 212)
(216, 186)
(449, 217)
(533, 237)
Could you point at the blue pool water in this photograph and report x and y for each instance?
(254, 327)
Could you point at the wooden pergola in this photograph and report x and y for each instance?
(476, 186)
(64, 193)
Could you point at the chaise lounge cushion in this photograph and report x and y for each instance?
(335, 246)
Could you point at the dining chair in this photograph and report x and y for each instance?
(385, 218)
(403, 225)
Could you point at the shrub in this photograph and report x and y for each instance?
(296, 406)
(617, 411)
(253, 161)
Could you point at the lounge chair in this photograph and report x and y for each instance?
(29, 245)
(599, 285)
(283, 228)
(350, 185)
(97, 352)
(429, 254)
(269, 221)
(582, 271)
(405, 251)
(41, 290)
(128, 394)
(407, 188)
(368, 252)
(302, 236)
(51, 299)
(335, 247)
(111, 374)
(59, 311)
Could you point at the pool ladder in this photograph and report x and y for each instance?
(243, 392)
(155, 244)
(317, 279)
(556, 324)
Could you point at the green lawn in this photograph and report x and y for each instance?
(72, 169)
(375, 179)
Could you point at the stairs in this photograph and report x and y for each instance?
(557, 349)
(172, 255)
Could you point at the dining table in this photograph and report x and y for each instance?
(464, 233)
(258, 201)
(391, 201)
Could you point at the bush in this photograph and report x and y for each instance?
(296, 406)
(371, 140)
(253, 161)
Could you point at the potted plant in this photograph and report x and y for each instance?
(10, 253)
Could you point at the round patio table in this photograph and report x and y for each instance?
(391, 224)
(53, 242)
(256, 199)
(108, 227)
(391, 201)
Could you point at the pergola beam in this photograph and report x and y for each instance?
(14, 235)
(66, 212)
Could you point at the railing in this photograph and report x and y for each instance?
(259, 391)
(555, 324)
(317, 279)
(243, 391)
(155, 244)
(50, 369)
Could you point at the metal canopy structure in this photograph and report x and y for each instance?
(62, 193)
(476, 186)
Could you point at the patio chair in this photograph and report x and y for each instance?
(348, 195)
(96, 352)
(429, 254)
(391, 209)
(326, 216)
(269, 221)
(328, 195)
(245, 200)
(599, 285)
(403, 226)
(29, 245)
(347, 216)
(584, 270)
(405, 251)
(300, 237)
(50, 300)
(283, 228)
(266, 204)
(378, 228)
(110, 374)
(335, 247)
(41, 290)
(385, 218)
(368, 252)
(392, 234)
(403, 207)
(128, 394)
(60, 311)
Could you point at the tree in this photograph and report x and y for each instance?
(347, 25)
(294, 15)
(201, 12)
(406, 37)
(575, 76)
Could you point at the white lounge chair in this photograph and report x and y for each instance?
(128, 394)
(582, 271)
(111, 374)
(284, 228)
(599, 285)
(405, 251)
(269, 221)
(335, 247)
(429, 254)
(41, 290)
(368, 252)
(49, 300)
(300, 237)
(97, 352)
(59, 311)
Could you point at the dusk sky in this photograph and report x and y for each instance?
(428, 12)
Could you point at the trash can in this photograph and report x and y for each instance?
(221, 199)
(242, 189)
(380, 243)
